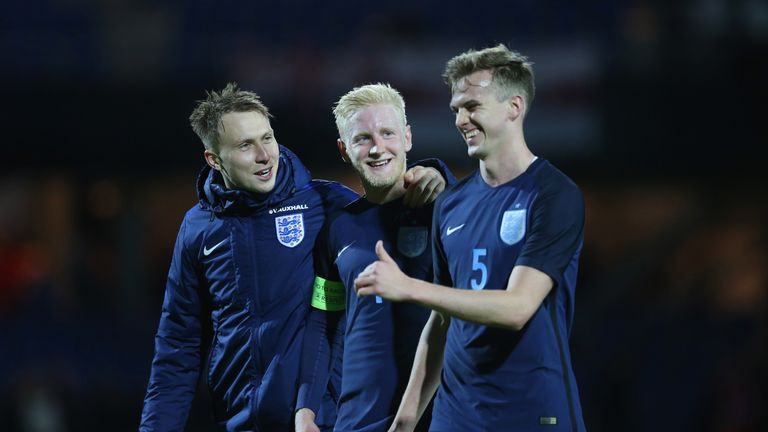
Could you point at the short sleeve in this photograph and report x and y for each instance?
(439, 262)
(556, 228)
(328, 293)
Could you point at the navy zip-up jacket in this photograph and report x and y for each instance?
(241, 269)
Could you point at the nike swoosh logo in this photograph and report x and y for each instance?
(343, 249)
(452, 230)
(207, 251)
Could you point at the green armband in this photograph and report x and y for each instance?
(328, 295)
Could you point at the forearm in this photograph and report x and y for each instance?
(425, 374)
(172, 383)
(316, 358)
(504, 308)
(509, 308)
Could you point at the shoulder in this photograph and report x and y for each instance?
(318, 196)
(333, 190)
(193, 227)
(557, 188)
(547, 176)
(348, 214)
(334, 195)
(195, 219)
(455, 192)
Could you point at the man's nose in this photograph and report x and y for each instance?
(462, 118)
(262, 155)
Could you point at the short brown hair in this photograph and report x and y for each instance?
(206, 117)
(511, 71)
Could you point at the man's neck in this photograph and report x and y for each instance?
(384, 194)
(507, 164)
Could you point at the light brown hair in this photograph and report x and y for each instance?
(206, 117)
(512, 72)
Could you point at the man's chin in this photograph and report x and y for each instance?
(378, 182)
(263, 188)
(475, 153)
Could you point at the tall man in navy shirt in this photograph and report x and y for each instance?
(241, 275)
(506, 246)
(381, 337)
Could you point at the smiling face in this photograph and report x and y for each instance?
(484, 122)
(247, 153)
(376, 145)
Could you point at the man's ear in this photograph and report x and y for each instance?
(343, 150)
(212, 159)
(408, 143)
(516, 107)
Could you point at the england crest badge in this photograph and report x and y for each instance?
(290, 229)
(412, 241)
(512, 226)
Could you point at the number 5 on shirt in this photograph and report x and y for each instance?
(477, 265)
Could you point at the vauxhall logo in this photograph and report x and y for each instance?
(288, 208)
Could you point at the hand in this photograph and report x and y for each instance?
(305, 421)
(401, 425)
(422, 186)
(383, 278)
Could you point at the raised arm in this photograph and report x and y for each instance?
(509, 308)
(555, 238)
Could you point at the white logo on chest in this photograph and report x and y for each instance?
(512, 226)
(290, 229)
(451, 230)
(343, 249)
(289, 208)
(207, 251)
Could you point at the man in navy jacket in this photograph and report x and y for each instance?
(241, 269)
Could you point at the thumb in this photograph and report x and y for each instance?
(382, 253)
(408, 178)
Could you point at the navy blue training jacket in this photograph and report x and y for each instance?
(241, 274)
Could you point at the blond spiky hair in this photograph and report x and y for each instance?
(359, 97)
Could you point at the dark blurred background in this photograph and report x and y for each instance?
(652, 107)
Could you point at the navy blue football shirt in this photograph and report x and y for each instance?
(493, 378)
(381, 336)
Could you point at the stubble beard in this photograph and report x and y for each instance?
(373, 181)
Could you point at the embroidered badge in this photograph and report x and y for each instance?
(412, 241)
(290, 229)
(512, 226)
